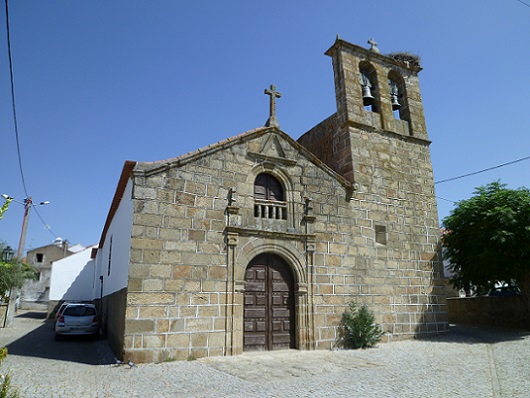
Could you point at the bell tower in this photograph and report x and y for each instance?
(378, 137)
(378, 141)
(378, 91)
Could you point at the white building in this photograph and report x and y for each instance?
(72, 278)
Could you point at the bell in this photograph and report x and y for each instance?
(368, 99)
(395, 103)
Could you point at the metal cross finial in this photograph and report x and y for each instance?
(272, 121)
(373, 45)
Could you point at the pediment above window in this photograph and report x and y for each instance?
(273, 152)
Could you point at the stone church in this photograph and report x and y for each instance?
(260, 241)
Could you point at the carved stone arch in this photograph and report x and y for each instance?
(295, 259)
(397, 79)
(292, 256)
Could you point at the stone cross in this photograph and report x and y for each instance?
(373, 45)
(272, 121)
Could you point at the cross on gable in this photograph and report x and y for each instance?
(272, 121)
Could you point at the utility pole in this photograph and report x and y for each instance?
(22, 242)
(28, 202)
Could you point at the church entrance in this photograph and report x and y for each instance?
(269, 311)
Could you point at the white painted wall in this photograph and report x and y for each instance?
(72, 277)
(119, 231)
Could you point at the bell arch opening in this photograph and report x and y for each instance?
(398, 96)
(369, 87)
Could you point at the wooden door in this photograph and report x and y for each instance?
(269, 305)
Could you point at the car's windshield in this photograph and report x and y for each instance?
(79, 310)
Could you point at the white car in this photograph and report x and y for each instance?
(77, 319)
(61, 309)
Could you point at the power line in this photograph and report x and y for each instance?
(483, 170)
(46, 226)
(15, 115)
(13, 100)
(522, 2)
(447, 200)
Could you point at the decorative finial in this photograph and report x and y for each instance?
(338, 37)
(373, 46)
(272, 121)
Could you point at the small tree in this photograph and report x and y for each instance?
(4, 207)
(13, 274)
(487, 239)
(358, 328)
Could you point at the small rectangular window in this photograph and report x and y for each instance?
(380, 234)
(40, 257)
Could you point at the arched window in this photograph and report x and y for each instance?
(269, 198)
(370, 93)
(267, 187)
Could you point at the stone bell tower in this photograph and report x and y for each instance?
(378, 138)
(378, 141)
(378, 91)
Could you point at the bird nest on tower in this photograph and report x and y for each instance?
(406, 58)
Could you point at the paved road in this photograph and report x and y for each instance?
(469, 362)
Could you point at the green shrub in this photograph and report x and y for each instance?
(3, 354)
(6, 391)
(358, 328)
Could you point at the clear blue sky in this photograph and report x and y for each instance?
(98, 83)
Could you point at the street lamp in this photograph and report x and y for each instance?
(7, 254)
(28, 203)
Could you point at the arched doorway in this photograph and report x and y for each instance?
(269, 310)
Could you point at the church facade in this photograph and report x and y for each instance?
(260, 241)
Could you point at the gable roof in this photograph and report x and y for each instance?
(153, 168)
(126, 172)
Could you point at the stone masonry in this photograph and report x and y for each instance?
(358, 223)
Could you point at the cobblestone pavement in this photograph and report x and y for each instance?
(468, 362)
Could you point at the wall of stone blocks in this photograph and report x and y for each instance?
(178, 273)
(183, 297)
(402, 280)
(332, 148)
(399, 281)
(504, 312)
